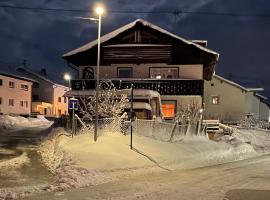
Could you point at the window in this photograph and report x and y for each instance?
(21, 103)
(11, 102)
(168, 109)
(59, 99)
(124, 72)
(215, 100)
(11, 84)
(65, 99)
(0, 100)
(164, 72)
(59, 112)
(24, 87)
(26, 104)
(1, 82)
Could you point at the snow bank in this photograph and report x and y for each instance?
(16, 162)
(257, 138)
(10, 122)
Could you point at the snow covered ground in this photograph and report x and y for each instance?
(80, 162)
(15, 123)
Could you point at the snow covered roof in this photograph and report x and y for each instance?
(17, 76)
(116, 32)
(261, 96)
(137, 93)
(237, 85)
(139, 105)
(24, 69)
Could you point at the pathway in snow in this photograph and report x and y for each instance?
(19, 162)
(247, 179)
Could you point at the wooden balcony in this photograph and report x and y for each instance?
(164, 87)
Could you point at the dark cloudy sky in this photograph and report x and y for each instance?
(42, 37)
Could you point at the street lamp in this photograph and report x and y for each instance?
(67, 77)
(99, 11)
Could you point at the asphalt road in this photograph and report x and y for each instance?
(242, 180)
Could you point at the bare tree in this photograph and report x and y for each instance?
(188, 115)
(111, 102)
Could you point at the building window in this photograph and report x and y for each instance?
(164, 72)
(26, 104)
(215, 100)
(59, 112)
(65, 99)
(0, 100)
(11, 102)
(24, 87)
(11, 84)
(1, 82)
(59, 99)
(124, 72)
(21, 103)
(168, 109)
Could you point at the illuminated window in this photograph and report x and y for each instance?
(168, 109)
(164, 72)
(215, 100)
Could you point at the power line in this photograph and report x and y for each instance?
(177, 12)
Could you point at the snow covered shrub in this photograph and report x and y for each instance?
(111, 103)
(251, 121)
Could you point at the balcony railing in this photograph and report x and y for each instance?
(164, 87)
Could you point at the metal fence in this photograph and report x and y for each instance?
(168, 132)
(163, 131)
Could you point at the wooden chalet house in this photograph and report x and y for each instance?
(166, 70)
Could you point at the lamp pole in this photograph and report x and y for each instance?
(99, 11)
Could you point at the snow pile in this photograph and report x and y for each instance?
(10, 122)
(16, 162)
(258, 138)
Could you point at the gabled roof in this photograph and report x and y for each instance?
(116, 32)
(17, 76)
(239, 86)
(38, 76)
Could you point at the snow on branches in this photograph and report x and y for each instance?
(188, 114)
(111, 102)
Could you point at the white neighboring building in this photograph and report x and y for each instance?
(47, 95)
(229, 102)
(15, 94)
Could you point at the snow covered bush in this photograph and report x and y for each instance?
(251, 121)
(111, 103)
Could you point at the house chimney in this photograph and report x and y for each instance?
(43, 71)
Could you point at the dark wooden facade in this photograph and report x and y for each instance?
(142, 42)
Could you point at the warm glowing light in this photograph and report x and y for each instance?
(99, 10)
(67, 77)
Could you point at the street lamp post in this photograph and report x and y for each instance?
(99, 11)
(67, 78)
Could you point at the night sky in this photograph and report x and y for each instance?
(43, 37)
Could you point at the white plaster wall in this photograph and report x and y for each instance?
(17, 94)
